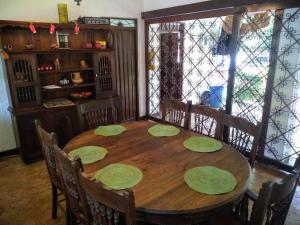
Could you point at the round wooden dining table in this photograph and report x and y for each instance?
(162, 196)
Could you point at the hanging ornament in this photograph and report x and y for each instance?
(76, 29)
(52, 28)
(151, 60)
(78, 2)
(32, 28)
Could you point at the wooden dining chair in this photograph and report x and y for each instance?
(107, 206)
(270, 206)
(206, 120)
(99, 112)
(251, 195)
(243, 135)
(47, 142)
(175, 112)
(71, 187)
(296, 168)
(281, 209)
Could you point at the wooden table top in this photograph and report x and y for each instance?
(163, 161)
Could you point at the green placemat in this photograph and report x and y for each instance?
(88, 154)
(202, 144)
(110, 130)
(210, 180)
(119, 176)
(163, 130)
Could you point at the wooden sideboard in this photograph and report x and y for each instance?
(109, 72)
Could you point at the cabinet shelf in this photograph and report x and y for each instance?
(67, 70)
(73, 86)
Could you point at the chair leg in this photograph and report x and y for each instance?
(71, 219)
(68, 216)
(54, 202)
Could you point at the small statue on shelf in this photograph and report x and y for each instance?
(54, 46)
(29, 46)
(83, 64)
(8, 47)
(76, 78)
(57, 64)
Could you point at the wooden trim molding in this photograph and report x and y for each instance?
(9, 153)
(192, 16)
(218, 5)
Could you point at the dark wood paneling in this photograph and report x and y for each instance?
(125, 47)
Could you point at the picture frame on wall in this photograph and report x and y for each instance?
(62, 39)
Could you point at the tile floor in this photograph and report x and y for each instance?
(26, 194)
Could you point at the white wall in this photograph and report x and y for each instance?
(159, 4)
(46, 10)
(7, 138)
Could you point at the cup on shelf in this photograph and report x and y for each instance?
(89, 45)
(64, 81)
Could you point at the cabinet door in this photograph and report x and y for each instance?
(30, 149)
(64, 123)
(23, 79)
(104, 64)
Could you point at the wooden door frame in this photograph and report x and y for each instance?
(191, 10)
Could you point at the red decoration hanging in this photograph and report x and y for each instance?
(52, 28)
(32, 28)
(76, 28)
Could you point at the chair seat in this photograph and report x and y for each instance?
(261, 174)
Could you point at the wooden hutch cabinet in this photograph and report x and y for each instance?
(40, 71)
